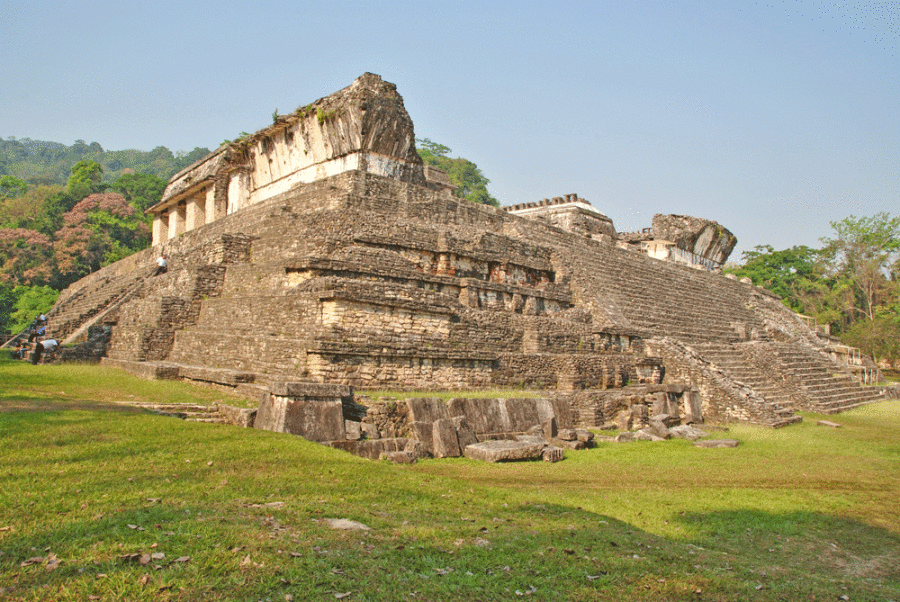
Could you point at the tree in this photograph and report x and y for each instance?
(99, 230)
(25, 211)
(28, 302)
(469, 181)
(142, 190)
(26, 257)
(12, 187)
(786, 273)
(85, 178)
(865, 250)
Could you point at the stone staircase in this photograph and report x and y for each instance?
(790, 375)
(730, 359)
(827, 386)
(691, 305)
(97, 300)
(185, 411)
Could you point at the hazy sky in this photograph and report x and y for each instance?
(772, 118)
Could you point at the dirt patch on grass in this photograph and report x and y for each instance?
(58, 405)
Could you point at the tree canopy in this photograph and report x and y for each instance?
(852, 283)
(469, 181)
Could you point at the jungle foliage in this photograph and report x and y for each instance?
(851, 283)
(469, 181)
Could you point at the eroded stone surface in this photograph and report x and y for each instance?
(713, 443)
(502, 451)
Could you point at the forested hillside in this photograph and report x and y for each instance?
(39, 162)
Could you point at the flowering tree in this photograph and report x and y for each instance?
(99, 230)
(26, 257)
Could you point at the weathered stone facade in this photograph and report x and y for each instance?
(333, 259)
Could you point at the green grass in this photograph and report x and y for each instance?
(801, 513)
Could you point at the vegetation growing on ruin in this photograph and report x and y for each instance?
(469, 181)
(100, 501)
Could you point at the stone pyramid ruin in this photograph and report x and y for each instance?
(320, 256)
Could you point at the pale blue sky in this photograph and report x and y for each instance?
(772, 118)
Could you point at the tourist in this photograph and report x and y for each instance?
(21, 350)
(39, 332)
(49, 346)
(162, 265)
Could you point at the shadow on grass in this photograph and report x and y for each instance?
(544, 551)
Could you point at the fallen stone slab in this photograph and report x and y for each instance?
(345, 524)
(658, 428)
(563, 443)
(648, 434)
(504, 451)
(833, 425)
(584, 436)
(712, 443)
(399, 457)
(567, 435)
(688, 432)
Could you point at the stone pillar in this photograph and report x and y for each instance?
(195, 212)
(177, 216)
(160, 228)
(312, 410)
(693, 408)
(209, 201)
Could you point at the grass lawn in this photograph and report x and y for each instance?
(105, 502)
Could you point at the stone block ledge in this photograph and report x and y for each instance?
(146, 370)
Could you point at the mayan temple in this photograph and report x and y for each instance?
(320, 256)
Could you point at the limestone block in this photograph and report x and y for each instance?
(313, 419)
(549, 428)
(639, 414)
(416, 449)
(693, 408)
(444, 441)
(427, 409)
(645, 434)
(685, 431)
(584, 436)
(307, 389)
(557, 407)
(669, 420)
(567, 435)
(660, 403)
(483, 414)
(242, 417)
(713, 443)
(370, 431)
(658, 428)
(520, 414)
(352, 430)
(553, 454)
(569, 444)
(399, 457)
(501, 451)
(465, 434)
(423, 432)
